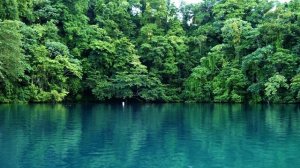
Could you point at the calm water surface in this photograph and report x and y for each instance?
(146, 136)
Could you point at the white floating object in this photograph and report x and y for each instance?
(123, 104)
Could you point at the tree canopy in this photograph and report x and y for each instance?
(149, 50)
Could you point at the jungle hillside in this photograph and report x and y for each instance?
(149, 51)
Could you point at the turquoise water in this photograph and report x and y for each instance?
(146, 136)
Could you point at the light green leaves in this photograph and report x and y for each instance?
(273, 86)
(12, 59)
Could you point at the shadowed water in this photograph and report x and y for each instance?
(150, 135)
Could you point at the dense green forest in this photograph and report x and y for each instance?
(149, 50)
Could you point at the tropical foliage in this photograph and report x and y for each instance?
(149, 50)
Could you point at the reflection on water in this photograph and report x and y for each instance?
(150, 135)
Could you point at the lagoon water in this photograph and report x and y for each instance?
(149, 136)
